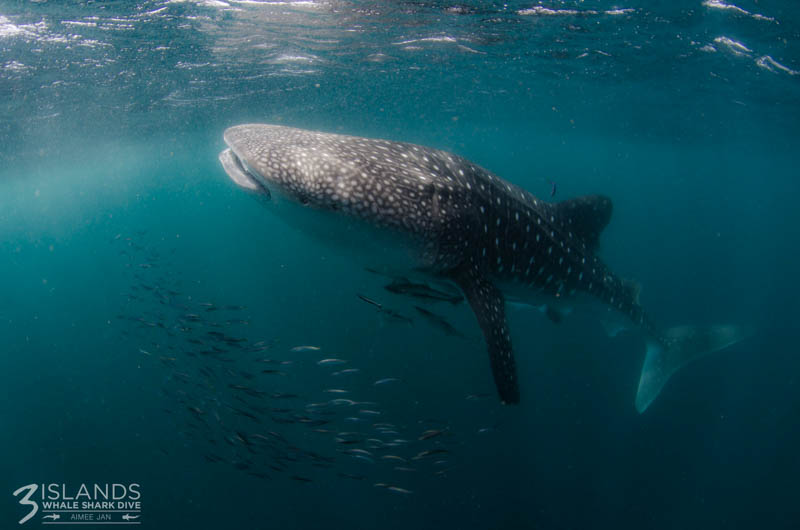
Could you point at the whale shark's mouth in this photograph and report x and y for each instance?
(241, 174)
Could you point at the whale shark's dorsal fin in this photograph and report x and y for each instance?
(488, 304)
(586, 217)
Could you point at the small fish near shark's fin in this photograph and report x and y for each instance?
(488, 304)
(684, 344)
(586, 217)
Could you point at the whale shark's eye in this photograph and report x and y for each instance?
(304, 201)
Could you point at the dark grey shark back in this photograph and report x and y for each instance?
(477, 230)
(463, 210)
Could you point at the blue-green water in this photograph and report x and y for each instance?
(126, 252)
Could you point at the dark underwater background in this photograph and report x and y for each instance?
(143, 294)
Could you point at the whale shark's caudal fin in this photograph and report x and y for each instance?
(683, 345)
(488, 304)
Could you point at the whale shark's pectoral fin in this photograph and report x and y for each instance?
(488, 304)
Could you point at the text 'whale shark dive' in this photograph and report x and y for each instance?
(453, 220)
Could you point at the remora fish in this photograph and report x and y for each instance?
(422, 291)
(456, 221)
(439, 322)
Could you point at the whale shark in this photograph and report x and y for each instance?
(407, 207)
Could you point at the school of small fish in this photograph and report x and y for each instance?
(243, 401)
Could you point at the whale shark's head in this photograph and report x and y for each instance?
(305, 167)
(353, 191)
(384, 183)
(324, 183)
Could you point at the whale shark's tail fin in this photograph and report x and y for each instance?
(681, 345)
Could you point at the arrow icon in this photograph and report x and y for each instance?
(128, 517)
(53, 516)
